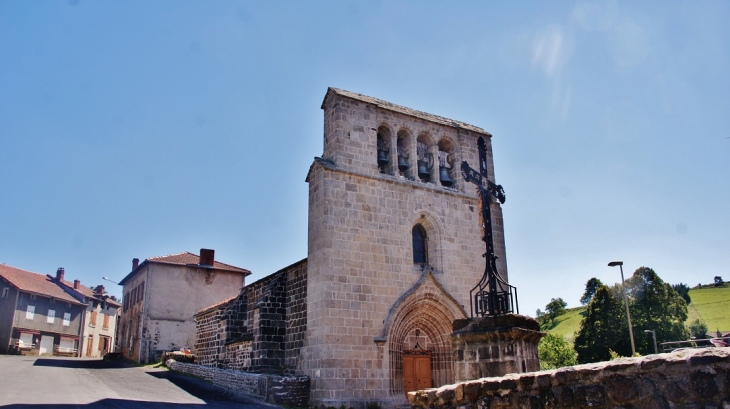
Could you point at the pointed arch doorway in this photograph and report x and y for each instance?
(418, 330)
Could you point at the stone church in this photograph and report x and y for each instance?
(395, 246)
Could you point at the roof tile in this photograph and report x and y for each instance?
(187, 258)
(35, 283)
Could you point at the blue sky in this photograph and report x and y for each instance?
(138, 129)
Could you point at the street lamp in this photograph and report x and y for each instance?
(653, 334)
(626, 301)
(107, 279)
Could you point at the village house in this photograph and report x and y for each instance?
(394, 249)
(162, 294)
(37, 315)
(100, 318)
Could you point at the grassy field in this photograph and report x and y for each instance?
(568, 323)
(710, 304)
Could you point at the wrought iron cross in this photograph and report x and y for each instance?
(492, 295)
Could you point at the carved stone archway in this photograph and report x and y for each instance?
(422, 318)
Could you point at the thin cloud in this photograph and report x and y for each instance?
(551, 50)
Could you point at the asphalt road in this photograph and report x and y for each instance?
(32, 382)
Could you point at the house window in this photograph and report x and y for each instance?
(6, 290)
(419, 244)
(30, 312)
(104, 344)
(106, 322)
(92, 319)
(66, 319)
(51, 316)
(141, 291)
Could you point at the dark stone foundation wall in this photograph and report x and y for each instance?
(690, 379)
(292, 391)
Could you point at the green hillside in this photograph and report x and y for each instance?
(568, 323)
(710, 304)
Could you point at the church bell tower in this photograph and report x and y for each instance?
(395, 247)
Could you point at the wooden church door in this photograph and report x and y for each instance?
(416, 370)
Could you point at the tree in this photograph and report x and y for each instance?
(555, 352)
(655, 305)
(591, 287)
(555, 308)
(718, 281)
(683, 291)
(604, 328)
(698, 329)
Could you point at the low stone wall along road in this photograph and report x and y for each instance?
(33, 382)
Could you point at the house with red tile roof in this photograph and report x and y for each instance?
(100, 318)
(161, 296)
(37, 315)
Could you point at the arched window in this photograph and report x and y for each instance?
(419, 245)
(445, 149)
(383, 149)
(403, 148)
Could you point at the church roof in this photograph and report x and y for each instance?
(404, 110)
(35, 283)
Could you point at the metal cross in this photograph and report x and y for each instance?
(493, 295)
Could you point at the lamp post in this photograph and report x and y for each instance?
(653, 334)
(111, 281)
(626, 301)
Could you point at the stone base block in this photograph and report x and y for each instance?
(495, 346)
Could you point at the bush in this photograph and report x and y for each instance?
(698, 329)
(555, 352)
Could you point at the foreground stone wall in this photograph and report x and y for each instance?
(696, 379)
(281, 390)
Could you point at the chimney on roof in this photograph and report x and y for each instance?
(135, 263)
(77, 284)
(207, 257)
(59, 274)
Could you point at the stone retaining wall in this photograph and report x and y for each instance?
(281, 390)
(696, 379)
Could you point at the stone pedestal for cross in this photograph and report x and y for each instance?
(494, 341)
(495, 346)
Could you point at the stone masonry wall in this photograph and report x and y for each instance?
(262, 329)
(207, 338)
(296, 315)
(281, 390)
(689, 379)
(268, 318)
